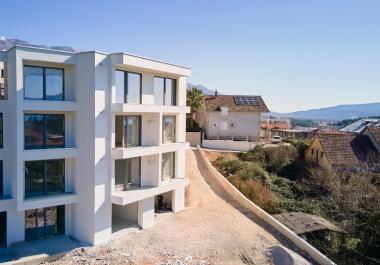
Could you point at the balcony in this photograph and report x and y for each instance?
(145, 108)
(48, 201)
(123, 153)
(140, 193)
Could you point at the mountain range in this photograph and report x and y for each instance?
(335, 113)
(205, 90)
(6, 44)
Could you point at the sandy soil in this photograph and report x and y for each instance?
(212, 230)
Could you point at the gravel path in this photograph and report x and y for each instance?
(210, 231)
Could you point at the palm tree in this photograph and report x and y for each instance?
(195, 100)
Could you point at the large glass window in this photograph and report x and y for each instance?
(167, 169)
(164, 91)
(44, 131)
(1, 131)
(43, 83)
(128, 131)
(127, 173)
(44, 177)
(129, 85)
(159, 88)
(168, 128)
(44, 222)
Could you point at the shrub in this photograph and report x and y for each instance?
(252, 170)
(256, 155)
(256, 191)
(296, 170)
(228, 166)
(278, 157)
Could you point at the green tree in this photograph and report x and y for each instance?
(195, 100)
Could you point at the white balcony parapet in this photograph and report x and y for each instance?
(137, 194)
(124, 153)
(53, 106)
(48, 201)
(51, 153)
(142, 108)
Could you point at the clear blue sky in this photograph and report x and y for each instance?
(297, 54)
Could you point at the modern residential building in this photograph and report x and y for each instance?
(232, 122)
(89, 141)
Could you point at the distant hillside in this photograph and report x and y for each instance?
(205, 90)
(6, 44)
(335, 113)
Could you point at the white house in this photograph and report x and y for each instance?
(232, 122)
(89, 140)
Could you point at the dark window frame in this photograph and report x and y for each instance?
(45, 145)
(130, 184)
(44, 81)
(60, 222)
(126, 84)
(45, 191)
(174, 96)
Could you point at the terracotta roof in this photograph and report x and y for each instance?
(214, 103)
(301, 223)
(346, 149)
(375, 133)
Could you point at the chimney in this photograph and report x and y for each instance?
(216, 93)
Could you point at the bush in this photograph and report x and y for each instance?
(256, 155)
(278, 157)
(252, 170)
(228, 166)
(256, 191)
(296, 170)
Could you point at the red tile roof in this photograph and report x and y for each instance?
(346, 149)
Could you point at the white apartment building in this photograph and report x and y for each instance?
(88, 141)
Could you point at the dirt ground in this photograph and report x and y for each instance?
(210, 231)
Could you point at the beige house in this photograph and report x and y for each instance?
(339, 150)
(232, 122)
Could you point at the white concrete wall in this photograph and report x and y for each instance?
(244, 124)
(242, 146)
(89, 134)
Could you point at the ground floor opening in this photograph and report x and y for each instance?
(3, 229)
(163, 202)
(44, 222)
(124, 217)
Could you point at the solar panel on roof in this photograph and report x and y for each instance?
(247, 100)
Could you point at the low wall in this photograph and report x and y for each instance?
(240, 198)
(194, 138)
(242, 146)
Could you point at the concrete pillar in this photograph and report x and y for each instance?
(146, 212)
(178, 199)
(15, 226)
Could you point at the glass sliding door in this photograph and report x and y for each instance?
(44, 222)
(128, 87)
(44, 177)
(165, 91)
(170, 92)
(159, 88)
(128, 131)
(43, 83)
(167, 166)
(127, 173)
(55, 130)
(44, 131)
(168, 128)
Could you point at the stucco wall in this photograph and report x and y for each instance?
(238, 124)
(194, 138)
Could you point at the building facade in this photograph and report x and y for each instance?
(89, 141)
(231, 122)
